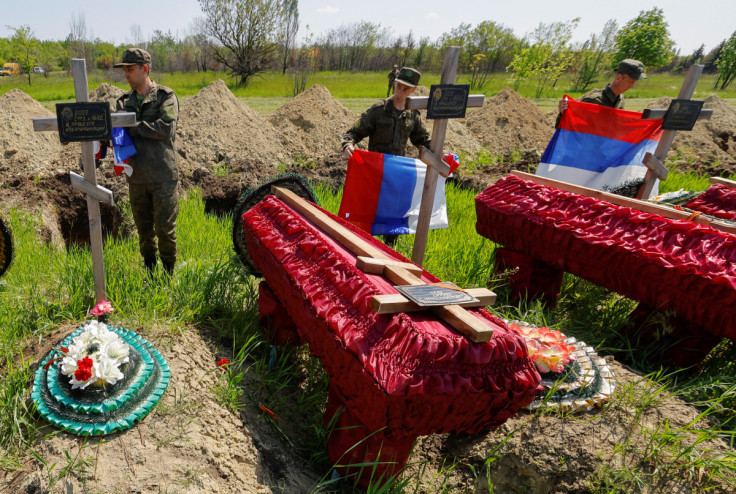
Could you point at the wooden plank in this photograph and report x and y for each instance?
(81, 91)
(472, 327)
(656, 166)
(665, 142)
(376, 266)
(392, 303)
(654, 113)
(347, 238)
(421, 102)
(97, 191)
(723, 181)
(122, 119)
(434, 161)
(439, 131)
(648, 207)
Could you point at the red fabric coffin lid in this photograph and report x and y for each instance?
(403, 371)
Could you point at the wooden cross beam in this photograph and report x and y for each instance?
(374, 260)
(88, 183)
(433, 156)
(655, 162)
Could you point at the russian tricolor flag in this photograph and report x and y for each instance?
(596, 146)
(383, 192)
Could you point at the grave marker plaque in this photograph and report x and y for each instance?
(79, 122)
(682, 114)
(447, 100)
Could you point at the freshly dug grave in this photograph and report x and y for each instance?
(710, 147)
(25, 152)
(215, 127)
(311, 124)
(509, 124)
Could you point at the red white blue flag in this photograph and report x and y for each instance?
(383, 193)
(595, 146)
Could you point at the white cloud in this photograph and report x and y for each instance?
(432, 15)
(328, 10)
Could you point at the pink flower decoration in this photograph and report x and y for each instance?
(546, 347)
(102, 308)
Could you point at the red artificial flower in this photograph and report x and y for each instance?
(222, 363)
(84, 369)
(83, 373)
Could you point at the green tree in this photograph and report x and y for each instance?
(490, 46)
(246, 34)
(163, 50)
(645, 38)
(547, 58)
(25, 46)
(727, 62)
(594, 57)
(289, 28)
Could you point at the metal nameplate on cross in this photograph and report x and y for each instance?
(85, 122)
(681, 115)
(433, 156)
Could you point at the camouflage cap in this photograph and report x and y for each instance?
(632, 68)
(408, 76)
(135, 56)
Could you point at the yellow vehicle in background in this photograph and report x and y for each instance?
(10, 69)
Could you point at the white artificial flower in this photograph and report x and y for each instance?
(117, 352)
(108, 371)
(106, 349)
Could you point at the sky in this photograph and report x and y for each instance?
(691, 23)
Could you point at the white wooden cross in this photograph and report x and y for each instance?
(88, 183)
(655, 162)
(433, 156)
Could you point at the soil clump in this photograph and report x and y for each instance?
(509, 124)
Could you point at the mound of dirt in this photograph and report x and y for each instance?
(23, 150)
(508, 123)
(711, 146)
(106, 92)
(215, 127)
(312, 123)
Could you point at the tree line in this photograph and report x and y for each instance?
(247, 37)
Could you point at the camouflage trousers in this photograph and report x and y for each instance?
(155, 207)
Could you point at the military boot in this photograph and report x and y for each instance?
(168, 267)
(150, 264)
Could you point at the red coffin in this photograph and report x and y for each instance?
(665, 263)
(718, 201)
(411, 374)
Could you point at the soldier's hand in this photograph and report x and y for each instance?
(562, 105)
(348, 151)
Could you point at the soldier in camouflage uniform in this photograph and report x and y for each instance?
(154, 196)
(391, 78)
(612, 95)
(388, 125)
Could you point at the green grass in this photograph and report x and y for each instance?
(47, 287)
(270, 90)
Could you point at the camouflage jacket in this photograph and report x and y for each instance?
(388, 129)
(603, 97)
(154, 135)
